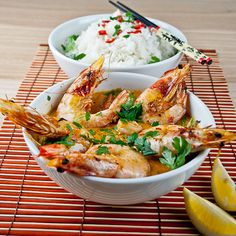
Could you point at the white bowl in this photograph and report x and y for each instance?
(120, 191)
(71, 67)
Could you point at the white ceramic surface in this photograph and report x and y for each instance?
(120, 191)
(75, 26)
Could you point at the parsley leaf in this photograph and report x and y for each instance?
(131, 139)
(102, 150)
(79, 57)
(151, 134)
(107, 130)
(69, 127)
(144, 146)
(182, 147)
(126, 36)
(154, 59)
(117, 29)
(70, 43)
(130, 16)
(92, 132)
(113, 18)
(66, 140)
(113, 140)
(129, 111)
(48, 98)
(87, 116)
(78, 125)
(168, 158)
(155, 123)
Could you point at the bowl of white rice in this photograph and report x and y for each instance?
(127, 45)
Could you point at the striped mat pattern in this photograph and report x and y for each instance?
(32, 204)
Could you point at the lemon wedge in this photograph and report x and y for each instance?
(208, 218)
(223, 187)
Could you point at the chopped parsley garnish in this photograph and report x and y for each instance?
(126, 36)
(113, 140)
(70, 43)
(48, 98)
(69, 127)
(154, 59)
(113, 18)
(103, 139)
(151, 134)
(78, 125)
(87, 116)
(129, 111)
(102, 150)
(131, 139)
(66, 140)
(130, 16)
(173, 161)
(79, 57)
(117, 29)
(107, 130)
(183, 121)
(142, 144)
(155, 123)
(92, 132)
(63, 47)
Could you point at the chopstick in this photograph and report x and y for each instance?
(177, 43)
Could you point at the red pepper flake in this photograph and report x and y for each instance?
(105, 21)
(110, 40)
(135, 32)
(139, 26)
(119, 32)
(103, 24)
(102, 32)
(120, 19)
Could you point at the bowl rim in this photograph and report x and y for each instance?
(148, 179)
(137, 67)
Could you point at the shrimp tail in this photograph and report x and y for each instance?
(105, 117)
(82, 164)
(31, 119)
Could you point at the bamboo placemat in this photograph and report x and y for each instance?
(32, 204)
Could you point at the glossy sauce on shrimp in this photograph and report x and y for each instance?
(118, 133)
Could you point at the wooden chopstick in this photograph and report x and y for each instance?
(177, 43)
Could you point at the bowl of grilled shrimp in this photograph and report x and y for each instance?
(118, 138)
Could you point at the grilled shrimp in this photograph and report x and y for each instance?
(32, 120)
(105, 117)
(78, 98)
(198, 138)
(165, 101)
(43, 127)
(116, 162)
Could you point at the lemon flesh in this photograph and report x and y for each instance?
(223, 187)
(208, 218)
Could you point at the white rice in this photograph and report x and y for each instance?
(137, 49)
